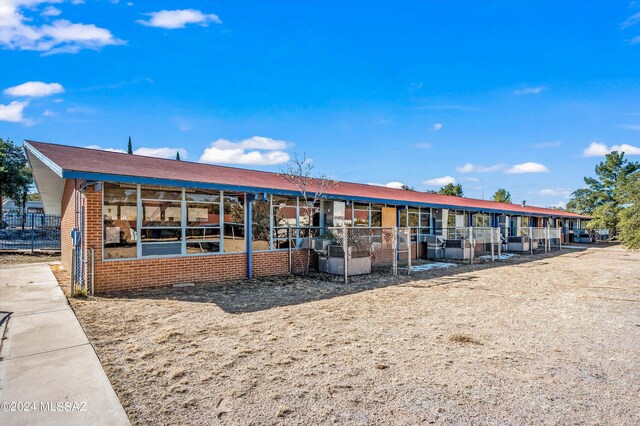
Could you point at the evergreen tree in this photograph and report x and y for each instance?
(129, 147)
(451, 189)
(178, 155)
(502, 196)
(604, 198)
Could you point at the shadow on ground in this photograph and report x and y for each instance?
(243, 296)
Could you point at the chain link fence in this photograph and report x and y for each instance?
(350, 251)
(29, 231)
(535, 239)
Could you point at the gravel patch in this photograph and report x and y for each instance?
(546, 339)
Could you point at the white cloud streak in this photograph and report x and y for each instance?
(437, 127)
(597, 149)
(631, 21)
(477, 168)
(13, 112)
(529, 91)
(163, 152)
(395, 185)
(61, 36)
(256, 150)
(542, 145)
(440, 181)
(529, 167)
(34, 89)
(555, 192)
(175, 19)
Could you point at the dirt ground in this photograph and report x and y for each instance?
(553, 339)
(23, 257)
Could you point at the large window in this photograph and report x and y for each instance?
(120, 221)
(285, 216)
(261, 224)
(360, 214)
(233, 222)
(161, 233)
(202, 231)
(425, 220)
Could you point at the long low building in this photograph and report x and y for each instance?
(152, 222)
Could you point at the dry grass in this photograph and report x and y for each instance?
(463, 338)
(560, 343)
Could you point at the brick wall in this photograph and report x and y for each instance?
(67, 222)
(115, 275)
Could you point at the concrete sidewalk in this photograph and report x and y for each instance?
(46, 359)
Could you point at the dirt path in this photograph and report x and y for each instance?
(555, 340)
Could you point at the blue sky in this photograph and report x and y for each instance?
(526, 95)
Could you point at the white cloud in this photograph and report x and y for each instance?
(441, 181)
(476, 168)
(174, 19)
(631, 21)
(635, 40)
(105, 149)
(555, 192)
(395, 185)
(51, 11)
(559, 205)
(597, 149)
(630, 126)
(61, 36)
(553, 144)
(164, 152)
(437, 127)
(529, 167)
(469, 179)
(256, 150)
(13, 112)
(423, 145)
(49, 113)
(34, 89)
(529, 91)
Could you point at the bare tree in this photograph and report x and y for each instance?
(299, 172)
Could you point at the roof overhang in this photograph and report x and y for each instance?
(48, 178)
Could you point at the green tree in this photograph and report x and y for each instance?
(502, 196)
(15, 175)
(603, 197)
(129, 147)
(629, 216)
(178, 155)
(452, 189)
(407, 187)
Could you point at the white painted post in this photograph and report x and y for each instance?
(531, 239)
(345, 247)
(290, 250)
(471, 245)
(492, 248)
(408, 236)
(394, 243)
(500, 245)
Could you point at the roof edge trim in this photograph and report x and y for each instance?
(70, 174)
(40, 156)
